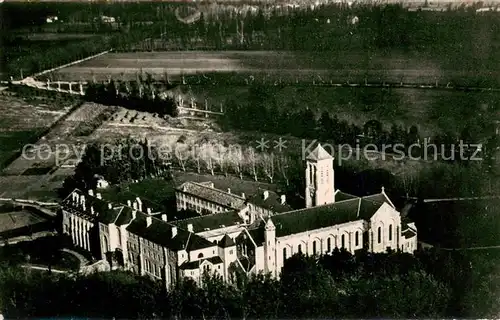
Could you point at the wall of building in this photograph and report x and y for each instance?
(79, 229)
(133, 256)
(105, 240)
(206, 253)
(385, 229)
(187, 201)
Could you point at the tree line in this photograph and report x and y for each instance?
(337, 285)
(124, 160)
(262, 112)
(140, 95)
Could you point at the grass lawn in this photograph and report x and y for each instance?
(156, 191)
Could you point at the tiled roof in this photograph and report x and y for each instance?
(327, 215)
(102, 212)
(226, 242)
(192, 265)
(210, 221)
(237, 186)
(196, 242)
(160, 232)
(272, 202)
(319, 153)
(220, 197)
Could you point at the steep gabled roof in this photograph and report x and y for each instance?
(319, 153)
(226, 242)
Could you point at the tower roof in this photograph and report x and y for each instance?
(226, 242)
(319, 153)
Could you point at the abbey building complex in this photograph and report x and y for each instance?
(235, 232)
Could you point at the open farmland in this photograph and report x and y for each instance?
(291, 66)
(39, 171)
(23, 121)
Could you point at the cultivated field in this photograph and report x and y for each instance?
(23, 120)
(337, 67)
(38, 172)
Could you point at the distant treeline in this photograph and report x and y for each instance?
(459, 38)
(262, 112)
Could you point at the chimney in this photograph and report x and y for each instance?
(91, 192)
(283, 199)
(149, 220)
(110, 206)
(163, 217)
(148, 210)
(134, 205)
(190, 227)
(174, 231)
(129, 204)
(98, 195)
(134, 214)
(228, 190)
(243, 195)
(266, 195)
(139, 203)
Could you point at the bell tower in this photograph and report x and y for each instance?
(320, 182)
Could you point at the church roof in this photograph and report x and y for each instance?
(326, 215)
(226, 242)
(319, 153)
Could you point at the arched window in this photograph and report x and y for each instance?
(379, 235)
(343, 241)
(357, 238)
(200, 255)
(314, 247)
(390, 232)
(284, 255)
(105, 244)
(300, 248)
(329, 244)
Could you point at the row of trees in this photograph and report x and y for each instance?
(122, 161)
(139, 95)
(339, 285)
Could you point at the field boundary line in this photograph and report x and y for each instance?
(69, 64)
